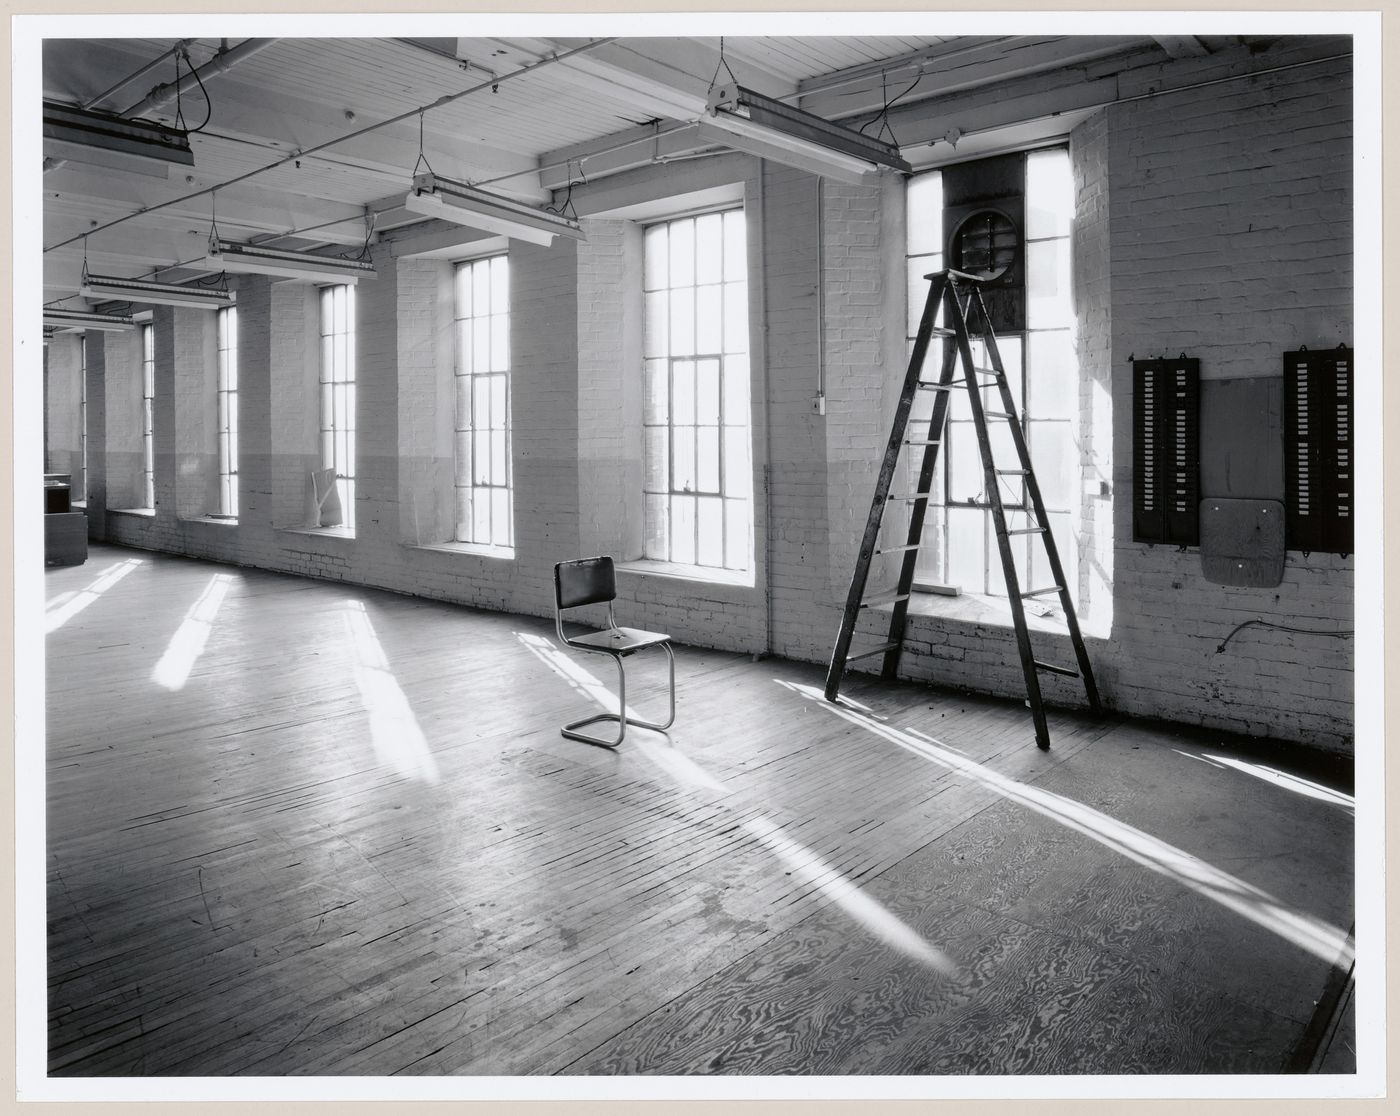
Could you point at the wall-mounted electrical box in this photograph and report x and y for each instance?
(1319, 460)
(1166, 451)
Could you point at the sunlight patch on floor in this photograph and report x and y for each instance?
(55, 618)
(1317, 937)
(395, 734)
(188, 642)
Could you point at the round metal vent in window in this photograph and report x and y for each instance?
(984, 244)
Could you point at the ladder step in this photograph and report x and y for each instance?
(999, 414)
(951, 385)
(1043, 592)
(986, 371)
(912, 496)
(1013, 472)
(897, 549)
(880, 650)
(1027, 531)
(1053, 669)
(922, 441)
(889, 596)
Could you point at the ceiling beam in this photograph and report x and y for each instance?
(621, 151)
(985, 64)
(670, 77)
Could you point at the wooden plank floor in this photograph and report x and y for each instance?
(302, 828)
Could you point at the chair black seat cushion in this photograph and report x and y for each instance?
(621, 641)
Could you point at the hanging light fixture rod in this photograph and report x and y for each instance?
(75, 321)
(749, 121)
(161, 294)
(435, 196)
(254, 259)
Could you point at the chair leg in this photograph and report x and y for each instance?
(571, 732)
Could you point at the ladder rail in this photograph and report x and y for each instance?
(937, 425)
(993, 490)
(1052, 552)
(888, 465)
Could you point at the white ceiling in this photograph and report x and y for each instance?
(518, 103)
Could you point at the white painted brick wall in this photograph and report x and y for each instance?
(1231, 240)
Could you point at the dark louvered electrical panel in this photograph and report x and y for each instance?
(1166, 451)
(1318, 454)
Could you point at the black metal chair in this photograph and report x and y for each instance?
(587, 581)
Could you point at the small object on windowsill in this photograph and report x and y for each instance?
(941, 590)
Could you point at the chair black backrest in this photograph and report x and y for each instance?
(584, 581)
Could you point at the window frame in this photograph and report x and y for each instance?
(706, 465)
(337, 374)
(82, 416)
(483, 482)
(934, 573)
(226, 396)
(148, 394)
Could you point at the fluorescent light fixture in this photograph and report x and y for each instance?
(163, 294)
(75, 321)
(254, 259)
(435, 196)
(758, 125)
(107, 140)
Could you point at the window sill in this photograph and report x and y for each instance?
(704, 574)
(217, 520)
(980, 608)
(320, 532)
(144, 513)
(500, 553)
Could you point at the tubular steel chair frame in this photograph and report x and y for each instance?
(587, 581)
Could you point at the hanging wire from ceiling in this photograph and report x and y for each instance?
(371, 219)
(566, 207)
(221, 280)
(883, 116)
(422, 158)
(722, 62)
(446, 99)
(179, 107)
(208, 104)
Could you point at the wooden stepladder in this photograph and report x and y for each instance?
(960, 297)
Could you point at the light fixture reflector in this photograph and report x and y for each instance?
(75, 321)
(161, 294)
(105, 139)
(759, 125)
(255, 259)
(435, 196)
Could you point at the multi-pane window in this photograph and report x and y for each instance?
(697, 484)
(482, 367)
(148, 394)
(81, 488)
(228, 411)
(338, 393)
(960, 546)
